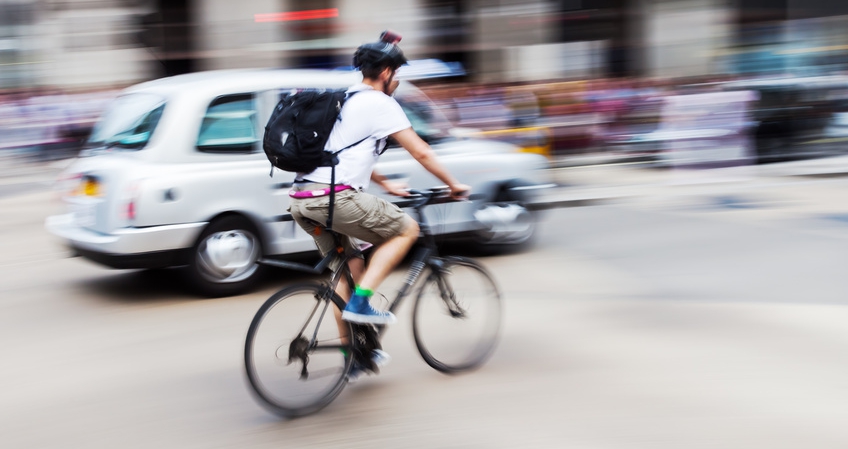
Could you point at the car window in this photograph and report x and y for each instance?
(229, 126)
(427, 121)
(128, 122)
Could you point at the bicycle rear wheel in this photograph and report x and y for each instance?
(457, 316)
(294, 355)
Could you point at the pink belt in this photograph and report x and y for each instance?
(316, 193)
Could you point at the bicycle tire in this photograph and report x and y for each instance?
(277, 350)
(444, 333)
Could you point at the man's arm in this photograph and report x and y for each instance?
(394, 188)
(421, 151)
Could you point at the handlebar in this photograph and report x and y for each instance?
(436, 195)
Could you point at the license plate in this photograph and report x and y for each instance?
(84, 214)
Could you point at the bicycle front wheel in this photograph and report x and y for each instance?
(297, 352)
(457, 316)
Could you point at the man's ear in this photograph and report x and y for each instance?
(386, 73)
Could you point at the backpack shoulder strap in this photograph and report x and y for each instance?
(347, 96)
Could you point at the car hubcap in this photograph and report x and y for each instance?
(505, 223)
(228, 256)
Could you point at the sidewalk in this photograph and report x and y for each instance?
(608, 179)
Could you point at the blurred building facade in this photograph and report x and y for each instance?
(67, 43)
(96, 43)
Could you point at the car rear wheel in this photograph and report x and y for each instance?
(224, 260)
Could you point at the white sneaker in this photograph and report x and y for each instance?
(379, 357)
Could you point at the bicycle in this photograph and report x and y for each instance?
(297, 360)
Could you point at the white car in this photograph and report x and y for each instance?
(174, 175)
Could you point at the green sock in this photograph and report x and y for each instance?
(363, 292)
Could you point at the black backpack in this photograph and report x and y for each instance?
(299, 128)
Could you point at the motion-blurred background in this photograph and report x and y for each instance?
(91, 43)
(561, 77)
(692, 307)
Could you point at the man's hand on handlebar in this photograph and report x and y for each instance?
(459, 191)
(396, 188)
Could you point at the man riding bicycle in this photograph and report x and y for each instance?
(370, 116)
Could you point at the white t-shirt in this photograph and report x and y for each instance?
(370, 115)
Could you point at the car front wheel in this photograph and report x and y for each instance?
(506, 222)
(224, 260)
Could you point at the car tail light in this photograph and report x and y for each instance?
(130, 210)
(129, 202)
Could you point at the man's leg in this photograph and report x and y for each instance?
(379, 358)
(357, 267)
(377, 221)
(385, 258)
(388, 255)
(326, 244)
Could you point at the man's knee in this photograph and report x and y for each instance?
(411, 229)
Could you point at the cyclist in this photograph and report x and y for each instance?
(373, 115)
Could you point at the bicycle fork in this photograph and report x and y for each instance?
(439, 269)
(446, 291)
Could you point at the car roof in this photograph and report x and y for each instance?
(217, 82)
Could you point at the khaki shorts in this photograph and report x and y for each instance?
(357, 214)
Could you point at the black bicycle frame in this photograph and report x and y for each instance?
(426, 255)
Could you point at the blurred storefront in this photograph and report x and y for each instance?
(16, 30)
(789, 37)
(96, 43)
(70, 44)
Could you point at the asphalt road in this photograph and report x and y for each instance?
(650, 322)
